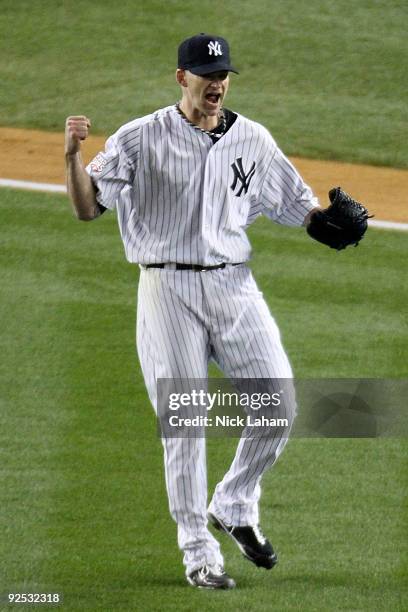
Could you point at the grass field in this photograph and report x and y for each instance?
(83, 507)
(328, 78)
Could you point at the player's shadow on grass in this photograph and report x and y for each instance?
(247, 581)
(159, 580)
(316, 580)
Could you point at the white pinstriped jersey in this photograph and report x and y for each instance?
(181, 198)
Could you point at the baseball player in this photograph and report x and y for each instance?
(185, 182)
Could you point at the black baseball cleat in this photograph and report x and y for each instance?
(250, 541)
(211, 577)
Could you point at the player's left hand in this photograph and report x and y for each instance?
(343, 223)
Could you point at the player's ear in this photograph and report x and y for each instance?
(181, 77)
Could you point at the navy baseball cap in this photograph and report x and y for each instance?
(205, 53)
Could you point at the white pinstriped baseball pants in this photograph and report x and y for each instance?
(184, 318)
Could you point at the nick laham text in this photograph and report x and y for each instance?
(226, 421)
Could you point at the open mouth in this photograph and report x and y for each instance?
(213, 98)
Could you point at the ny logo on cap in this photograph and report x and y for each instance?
(239, 175)
(214, 47)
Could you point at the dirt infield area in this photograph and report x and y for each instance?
(39, 156)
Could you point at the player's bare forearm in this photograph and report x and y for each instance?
(81, 189)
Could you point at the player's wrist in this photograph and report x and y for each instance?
(71, 152)
(310, 214)
(72, 157)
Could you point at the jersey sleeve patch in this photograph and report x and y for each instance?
(98, 163)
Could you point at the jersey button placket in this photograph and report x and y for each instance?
(206, 211)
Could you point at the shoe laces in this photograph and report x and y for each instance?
(259, 535)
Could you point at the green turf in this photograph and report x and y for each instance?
(328, 78)
(83, 508)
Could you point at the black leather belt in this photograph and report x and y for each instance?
(194, 267)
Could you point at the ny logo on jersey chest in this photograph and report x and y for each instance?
(241, 176)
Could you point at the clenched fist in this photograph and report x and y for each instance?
(76, 129)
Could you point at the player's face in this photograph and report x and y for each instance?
(206, 93)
